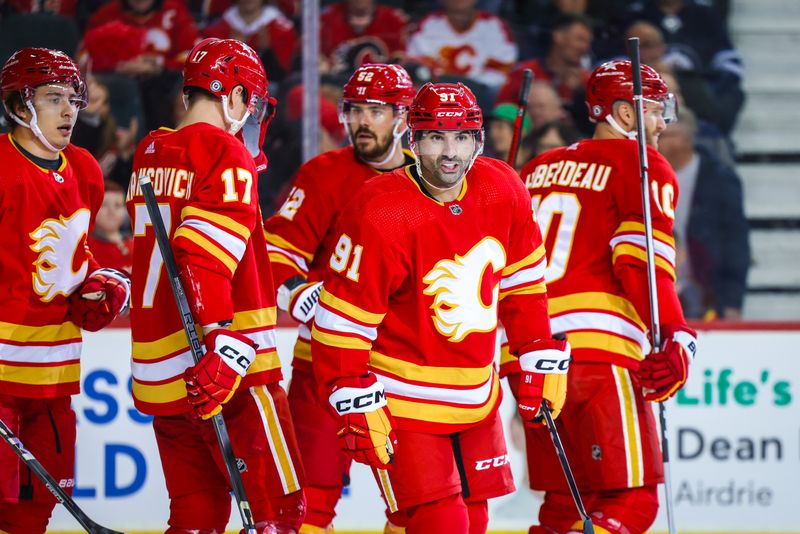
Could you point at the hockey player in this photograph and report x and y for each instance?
(588, 201)
(203, 178)
(50, 192)
(426, 259)
(300, 238)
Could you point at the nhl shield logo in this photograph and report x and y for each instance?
(58, 178)
(455, 209)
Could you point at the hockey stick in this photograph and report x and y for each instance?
(588, 527)
(522, 106)
(655, 324)
(195, 347)
(50, 483)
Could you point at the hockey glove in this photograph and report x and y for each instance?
(213, 381)
(663, 373)
(365, 424)
(299, 298)
(99, 299)
(543, 377)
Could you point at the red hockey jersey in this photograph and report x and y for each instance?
(205, 183)
(170, 35)
(300, 237)
(413, 290)
(45, 217)
(588, 202)
(346, 48)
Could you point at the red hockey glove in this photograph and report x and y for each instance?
(99, 299)
(543, 377)
(213, 381)
(365, 424)
(299, 299)
(663, 373)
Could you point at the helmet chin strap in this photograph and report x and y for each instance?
(34, 127)
(396, 137)
(234, 125)
(614, 124)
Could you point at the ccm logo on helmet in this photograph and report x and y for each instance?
(360, 402)
(449, 113)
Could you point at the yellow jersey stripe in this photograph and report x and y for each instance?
(66, 331)
(206, 244)
(222, 220)
(302, 350)
(278, 241)
(631, 226)
(446, 376)
(536, 289)
(438, 413)
(640, 254)
(606, 342)
(160, 393)
(249, 319)
(40, 375)
(277, 441)
(342, 342)
(372, 319)
(280, 258)
(595, 300)
(531, 259)
(631, 424)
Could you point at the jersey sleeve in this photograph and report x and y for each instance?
(214, 231)
(294, 233)
(523, 296)
(628, 243)
(364, 269)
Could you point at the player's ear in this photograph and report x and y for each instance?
(624, 114)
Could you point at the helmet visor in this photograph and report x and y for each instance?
(260, 108)
(667, 107)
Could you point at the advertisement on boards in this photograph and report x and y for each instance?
(734, 434)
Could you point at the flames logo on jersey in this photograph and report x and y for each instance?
(456, 286)
(57, 241)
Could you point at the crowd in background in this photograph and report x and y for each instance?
(133, 52)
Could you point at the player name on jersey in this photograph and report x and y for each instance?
(168, 181)
(568, 173)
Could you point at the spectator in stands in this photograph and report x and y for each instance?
(500, 133)
(355, 32)
(111, 243)
(544, 105)
(710, 224)
(97, 131)
(696, 33)
(158, 35)
(552, 135)
(265, 29)
(565, 65)
(461, 41)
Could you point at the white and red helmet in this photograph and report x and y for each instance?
(381, 84)
(219, 65)
(29, 68)
(613, 81)
(445, 106)
(378, 83)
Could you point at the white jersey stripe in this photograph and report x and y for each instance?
(659, 247)
(468, 397)
(277, 440)
(31, 353)
(234, 244)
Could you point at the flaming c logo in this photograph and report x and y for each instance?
(458, 308)
(56, 241)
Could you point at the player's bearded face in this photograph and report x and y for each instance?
(654, 122)
(445, 155)
(371, 127)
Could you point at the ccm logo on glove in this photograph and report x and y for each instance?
(237, 357)
(358, 400)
